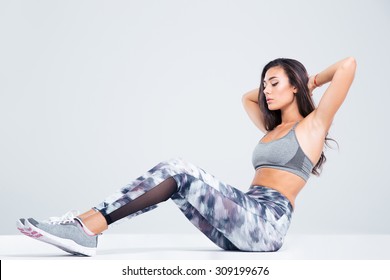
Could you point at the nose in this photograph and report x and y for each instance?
(266, 90)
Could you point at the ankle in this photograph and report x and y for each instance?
(95, 223)
(87, 214)
(85, 228)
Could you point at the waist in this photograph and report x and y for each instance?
(272, 199)
(286, 183)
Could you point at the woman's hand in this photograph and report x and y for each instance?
(311, 85)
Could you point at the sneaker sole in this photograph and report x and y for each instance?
(67, 245)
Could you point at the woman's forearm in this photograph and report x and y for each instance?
(326, 75)
(251, 106)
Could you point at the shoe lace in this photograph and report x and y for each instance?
(68, 217)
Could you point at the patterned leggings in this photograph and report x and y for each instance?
(254, 221)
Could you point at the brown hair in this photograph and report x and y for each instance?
(298, 77)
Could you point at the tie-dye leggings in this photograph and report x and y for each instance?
(253, 221)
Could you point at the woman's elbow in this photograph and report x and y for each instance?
(245, 98)
(349, 63)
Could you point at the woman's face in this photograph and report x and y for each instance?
(278, 92)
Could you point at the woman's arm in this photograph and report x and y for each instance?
(250, 102)
(340, 75)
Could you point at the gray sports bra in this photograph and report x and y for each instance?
(284, 153)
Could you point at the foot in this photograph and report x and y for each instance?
(68, 236)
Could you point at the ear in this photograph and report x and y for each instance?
(295, 90)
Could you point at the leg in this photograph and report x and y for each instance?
(230, 218)
(204, 226)
(99, 222)
(73, 236)
(133, 187)
(135, 199)
(87, 214)
(132, 191)
(95, 223)
(248, 221)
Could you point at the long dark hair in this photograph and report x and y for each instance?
(298, 77)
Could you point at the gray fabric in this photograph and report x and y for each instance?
(285, 154)
(71, 230)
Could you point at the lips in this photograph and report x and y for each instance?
(269, 99)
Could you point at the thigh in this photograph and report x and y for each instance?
(193, 215)
(248, 223)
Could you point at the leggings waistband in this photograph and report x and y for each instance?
(271, 197)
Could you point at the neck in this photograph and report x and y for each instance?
(291, 114)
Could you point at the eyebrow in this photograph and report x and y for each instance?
(273, 77)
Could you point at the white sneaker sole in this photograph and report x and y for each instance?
(67, 245)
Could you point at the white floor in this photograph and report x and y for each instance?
(184, 247)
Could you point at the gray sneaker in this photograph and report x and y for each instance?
(68, 236)
(20, 224)
(68, 216)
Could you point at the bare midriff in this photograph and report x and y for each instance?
(284, 182)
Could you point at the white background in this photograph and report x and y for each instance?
(95, 93)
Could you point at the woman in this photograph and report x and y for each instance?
(291, 150)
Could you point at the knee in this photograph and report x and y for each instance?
(173, 166)
(176, 162)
